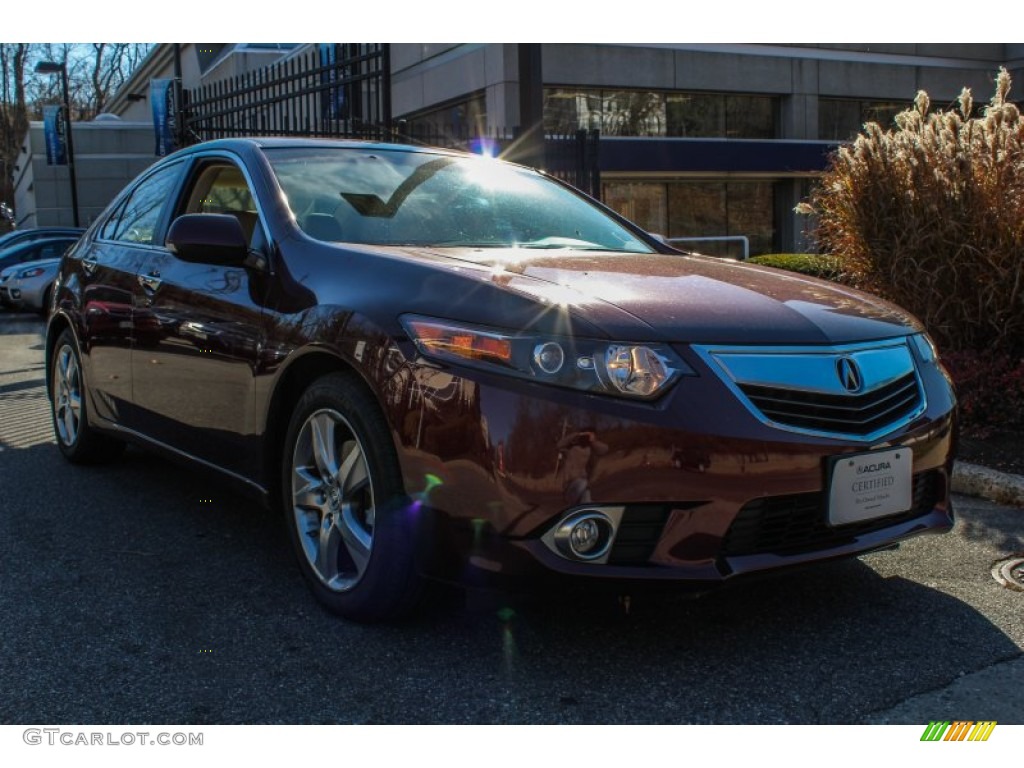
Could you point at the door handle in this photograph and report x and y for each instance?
(151, 282)
(90, 266)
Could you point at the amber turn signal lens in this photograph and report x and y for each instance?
(438, 338)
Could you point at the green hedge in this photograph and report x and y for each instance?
(824, 266)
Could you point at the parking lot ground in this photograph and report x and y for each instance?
(139, 592)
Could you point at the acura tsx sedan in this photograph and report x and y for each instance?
(444, 366)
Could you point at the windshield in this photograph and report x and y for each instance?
(394, 197)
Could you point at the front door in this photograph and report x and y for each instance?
(194, 378)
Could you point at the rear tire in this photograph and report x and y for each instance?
(353, 529)
(79, 442)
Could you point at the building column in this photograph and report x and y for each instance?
(792, 235)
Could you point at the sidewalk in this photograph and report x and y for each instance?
(1000, 487)
(989, 694)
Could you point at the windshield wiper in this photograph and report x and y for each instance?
(568, 243)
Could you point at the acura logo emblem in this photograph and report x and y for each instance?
(849, 374)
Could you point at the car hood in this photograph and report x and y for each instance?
(683, 298)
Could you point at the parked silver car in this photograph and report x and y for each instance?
(28, 286)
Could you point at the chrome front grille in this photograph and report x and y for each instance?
(812, 390)
(853, 415)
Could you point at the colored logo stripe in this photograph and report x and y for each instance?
(958, 730)
(982, 731)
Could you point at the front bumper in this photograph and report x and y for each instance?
(709, 492)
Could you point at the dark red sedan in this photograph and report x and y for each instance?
(442, 365)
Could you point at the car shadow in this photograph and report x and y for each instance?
(177, 601)
(988, 525)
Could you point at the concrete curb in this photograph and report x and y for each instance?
(976, 696)
(1000, 487)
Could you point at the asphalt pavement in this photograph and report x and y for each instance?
(140, 592)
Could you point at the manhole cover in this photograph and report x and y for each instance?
(1010, 573)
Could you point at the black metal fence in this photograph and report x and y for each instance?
(574, 158)
(342, 91)
(345, 92)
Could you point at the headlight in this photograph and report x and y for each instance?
(640, 371)
(33, 272)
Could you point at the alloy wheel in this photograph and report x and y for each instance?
(332, 499)
(67, 395)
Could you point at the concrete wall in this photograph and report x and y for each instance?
(425, 75)
(107, 156)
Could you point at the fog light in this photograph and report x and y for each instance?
(586, 535)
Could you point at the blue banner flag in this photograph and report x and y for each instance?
(53, 131)
(161, 93)
(332, 98)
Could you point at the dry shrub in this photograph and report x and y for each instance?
(990, 391)
(931, 215)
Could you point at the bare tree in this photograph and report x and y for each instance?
(95, 72)
(13, 112)
(111, 65)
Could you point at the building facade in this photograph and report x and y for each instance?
(701, 141)
(711, 141)
(113, 149)
(107, 155)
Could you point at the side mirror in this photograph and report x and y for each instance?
(208, 238)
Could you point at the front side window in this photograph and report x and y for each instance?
(390, 197)
(141, 213)
(221, 188)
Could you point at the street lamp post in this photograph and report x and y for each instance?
(52, 68)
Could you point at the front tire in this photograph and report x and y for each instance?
(77, 440)
(350, 523)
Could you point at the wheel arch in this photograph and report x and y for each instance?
(291, 383)
(59, 323)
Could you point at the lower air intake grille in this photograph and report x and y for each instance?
(787, 525)
(638, 534)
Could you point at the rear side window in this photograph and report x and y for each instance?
(141, 213)
(110, 225)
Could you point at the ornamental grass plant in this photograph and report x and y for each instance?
(930, 214)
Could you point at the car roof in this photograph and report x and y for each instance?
(37, 233)
(37, 242)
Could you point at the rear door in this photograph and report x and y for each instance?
(104, 271)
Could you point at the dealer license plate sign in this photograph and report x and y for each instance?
(865, 486)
